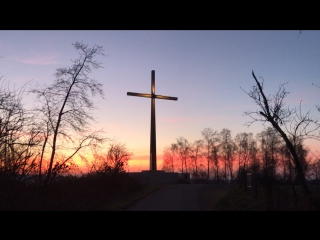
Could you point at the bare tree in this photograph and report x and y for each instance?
(18, 137)
(66, 106)
(270, 144)
(291, 124)
(209, 137)
(169, 158)
(173, 149)
(244, 142)
(215, 159)
(115, 160)
(195, 155)
(245, 145)
(228, 149)
(183, 150)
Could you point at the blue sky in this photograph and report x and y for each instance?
(205, 69)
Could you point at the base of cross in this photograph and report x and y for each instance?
(148, 177)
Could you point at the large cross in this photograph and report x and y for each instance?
(153, 96)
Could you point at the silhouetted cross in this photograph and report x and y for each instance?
(153, 96)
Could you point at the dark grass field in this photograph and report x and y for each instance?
(94, 193)
(281, 199)
(116, 193)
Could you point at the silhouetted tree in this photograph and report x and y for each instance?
(18, 137)
(228, 149)
(286, 163)
(209, 138)
(286, 121)
(254, 165)
(65, 108)
(245, 146)
(245, 143)
(115, 160)
(183, 150)
(168, 160)
(215, 159)
(195, 154)
(173, 149)
(270, 142)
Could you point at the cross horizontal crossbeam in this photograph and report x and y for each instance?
(146, 95)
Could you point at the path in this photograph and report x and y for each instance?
(178, 197)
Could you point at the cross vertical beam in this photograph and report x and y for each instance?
(153, 96)
(153, 148)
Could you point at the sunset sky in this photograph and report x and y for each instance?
(205, 69)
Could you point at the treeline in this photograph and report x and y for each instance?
(220, 157)
(277, 153)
